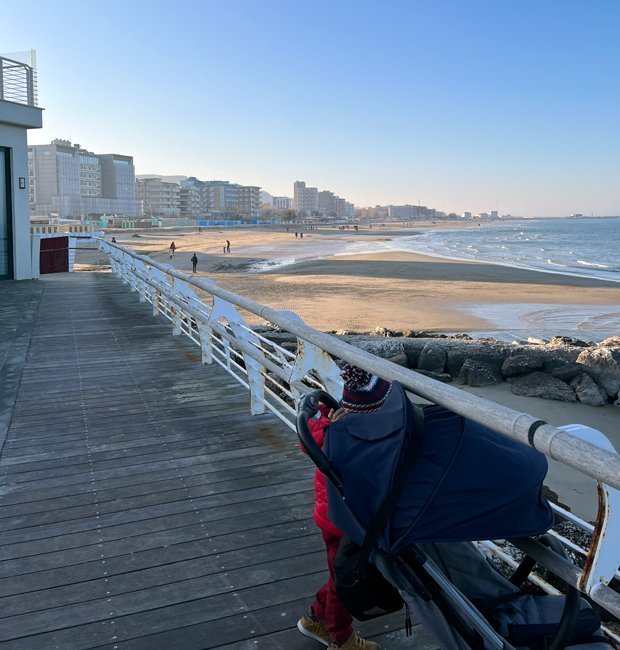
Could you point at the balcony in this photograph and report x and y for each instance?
(18, 82)
(18, 94)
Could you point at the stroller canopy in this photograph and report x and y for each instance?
(467, 483)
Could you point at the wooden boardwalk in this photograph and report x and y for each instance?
(142, 506)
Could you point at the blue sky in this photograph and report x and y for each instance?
(459, 105)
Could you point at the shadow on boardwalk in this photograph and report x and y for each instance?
(142, 505)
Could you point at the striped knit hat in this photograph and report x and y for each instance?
(363, 391)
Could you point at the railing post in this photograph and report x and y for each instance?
(206, 344)
(310, 358)
(256, 379)
(29, 85)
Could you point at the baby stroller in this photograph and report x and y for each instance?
(418, 486)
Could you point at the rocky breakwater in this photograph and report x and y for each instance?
(563, 368)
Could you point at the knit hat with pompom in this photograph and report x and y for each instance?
(363, 391)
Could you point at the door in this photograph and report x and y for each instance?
(54, 255)
(6, 233)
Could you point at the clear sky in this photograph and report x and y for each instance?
(456, 104)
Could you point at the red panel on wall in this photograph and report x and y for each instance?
(54, 255)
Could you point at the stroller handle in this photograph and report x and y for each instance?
(308, 406)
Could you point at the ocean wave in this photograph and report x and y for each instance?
(270, 265)
(555, 263)
(598, 266)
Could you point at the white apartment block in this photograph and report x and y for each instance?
(282, 202)
(305, 199)
(66, 179)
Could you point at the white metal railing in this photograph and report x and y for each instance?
(276, 378)
(18, 82)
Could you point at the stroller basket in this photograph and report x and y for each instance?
(466, 483)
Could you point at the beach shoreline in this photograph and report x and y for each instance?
(332, 287)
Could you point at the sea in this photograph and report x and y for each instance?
(585, 247)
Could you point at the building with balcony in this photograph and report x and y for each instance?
(305, 199)
(18, 113)
(70, 181)
(158, 198)
(282, 202)
(201, 199)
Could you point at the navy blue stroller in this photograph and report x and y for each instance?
(438, 482)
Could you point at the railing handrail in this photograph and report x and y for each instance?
(591, 460)
(20, 90)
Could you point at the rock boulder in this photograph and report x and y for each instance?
(521, 362)
(479, 373)
(432, 357)
(604, 364)
(587, 391)
(540, 384)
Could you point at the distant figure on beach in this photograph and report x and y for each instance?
(301, 235)
(227, 246)
(172, 249)
(194, 262)
(224, 249)
(295, 234)
(114, 240)
(199, 228)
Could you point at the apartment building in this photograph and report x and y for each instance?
(309, 201)
(71, 181)
(282, 202)
(158, 198)
(219, 198)
(305, 199)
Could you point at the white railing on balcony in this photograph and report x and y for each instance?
(18, 82)
(277, 377)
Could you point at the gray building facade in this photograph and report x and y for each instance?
(73, 182)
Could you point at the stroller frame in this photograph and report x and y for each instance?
(412, 569)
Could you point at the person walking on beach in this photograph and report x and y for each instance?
(327, 620)
(227, 246)
(194, 261)
(172, 249)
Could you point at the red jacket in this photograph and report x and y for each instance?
(317, 429)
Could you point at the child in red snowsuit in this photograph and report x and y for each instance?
(327, 608)
(327, 620)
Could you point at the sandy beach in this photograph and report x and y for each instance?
(397, 290)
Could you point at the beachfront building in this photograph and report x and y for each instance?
(69, 181)
(18, 113)
(309, 201)
(200, 199)
(305, 199)
(158, 198)
(283, 202)
(344, 209)
(467, 215)
(248, 201)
